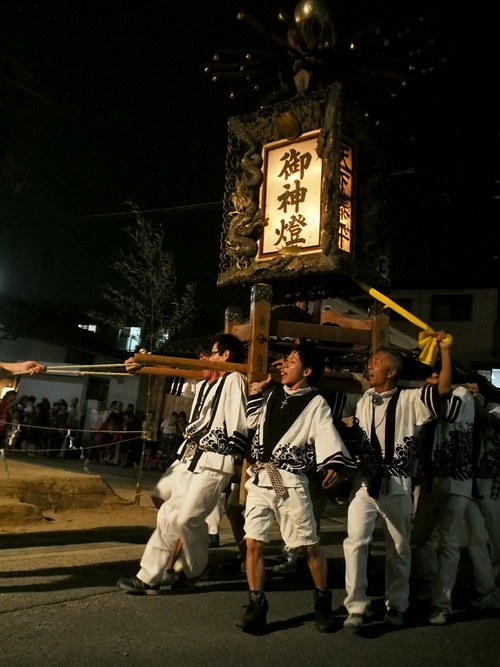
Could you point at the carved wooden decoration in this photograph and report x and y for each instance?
(269, 235)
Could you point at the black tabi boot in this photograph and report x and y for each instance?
(254, 620)
(324, 619)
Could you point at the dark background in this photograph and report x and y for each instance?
(119, 108)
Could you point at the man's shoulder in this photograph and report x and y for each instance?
(413, 392)
(235, 378)
(463, 392)
(319, 399)
(320, 404)
(363, 398)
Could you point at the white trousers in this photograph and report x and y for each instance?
(482, 518)
(395, 512)
(183, 516)
(214, 518)
(165, 486)
(437, 530)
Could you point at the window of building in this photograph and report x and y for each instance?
(457, 307)
(88, 327)
(491, 374)
(129, 339)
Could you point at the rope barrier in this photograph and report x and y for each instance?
(4, 462)
(69, 435)
(125, 441)
(7, 452)
(64, 428)
(10, 450)
(77, 370)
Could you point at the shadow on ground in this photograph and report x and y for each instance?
(126, 534)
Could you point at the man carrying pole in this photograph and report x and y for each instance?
(294, 434)
(214, 438)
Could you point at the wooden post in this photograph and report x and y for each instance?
(260, 316)
(380, 331)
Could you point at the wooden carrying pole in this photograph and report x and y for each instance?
(187, 368)
(180, 362)
(260, 318)
(330, 380)
(169, 372)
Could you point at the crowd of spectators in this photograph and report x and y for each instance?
(31, 427)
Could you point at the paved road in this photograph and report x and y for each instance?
(59, 606)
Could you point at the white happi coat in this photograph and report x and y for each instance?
(488, 464)
(451, 456)
(415, 408)
(311, 442)
(218, 428)
(483, 512)
(218, 423)
(391, 500)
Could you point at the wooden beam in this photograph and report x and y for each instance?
(380, 333)
(169, 372)
(241, 331)
(334, 317)
(321, 332)
(181, 362)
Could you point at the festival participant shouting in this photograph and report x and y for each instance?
(389, 420)
(294, 434)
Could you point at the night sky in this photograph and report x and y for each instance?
(131, 115)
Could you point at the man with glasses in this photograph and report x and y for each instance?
(163, 490)
(215, 436)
